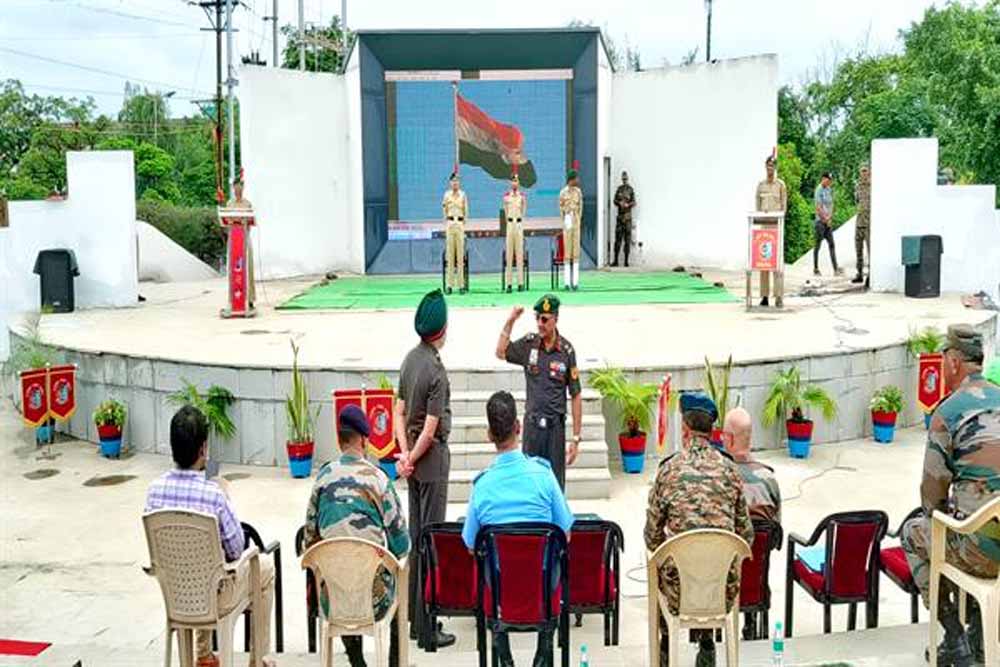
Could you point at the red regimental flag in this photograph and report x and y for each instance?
(62, 392)
(35, 397)
(662, 422)
(378, 407)
(930, 389)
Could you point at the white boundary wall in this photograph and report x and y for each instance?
(693, 140)
(605, 77)
(906, 200)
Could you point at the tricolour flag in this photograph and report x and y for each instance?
(489, 144)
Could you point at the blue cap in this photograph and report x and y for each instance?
(353, 419)
(697, 401)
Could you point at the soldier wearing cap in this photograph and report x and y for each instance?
(961, 474)
(698, 487)
(355, 498)
(771, 196)
(455, 206)
(423, 423)
(515, 205)
(571, 212)
(863, 221)
(550, 373)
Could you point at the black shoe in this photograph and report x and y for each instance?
(764, 302)
(626, 263)
(579, 621)
(974, 633)
(566, 288)
(509, 289)
(443, 640)
(448, 291)
(520, 288)
(614, 263)
(952, 652)
(816, 272)
(463, 290)
(706, 654)
(858, 279)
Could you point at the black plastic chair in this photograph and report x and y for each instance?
(450, 579)
(893, 563)
(558, 252)
(595, 548)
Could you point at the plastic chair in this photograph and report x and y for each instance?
(312, 594)
(558, 259)
(523, 582)
(450, 577)
(755, 589)
(985, 591)
(893, 563)
(346, 567)
(274, 549)
(703, 559)
(595, 548)
(201, 591)
(851, 567)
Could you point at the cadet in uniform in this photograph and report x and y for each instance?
(771, 196)
(514, 488)
(862, 224)
(699, 487)
(961, 474)
(423, 423)
(515, 205)
(354, 498)
(550, 371)
(571, 206)
(455, 206)
(625, 201)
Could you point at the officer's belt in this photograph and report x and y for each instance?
(453, 218)
(513, 219)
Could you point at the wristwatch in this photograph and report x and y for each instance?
(576, 440)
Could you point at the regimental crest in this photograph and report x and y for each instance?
(546, 306)
(35, 396)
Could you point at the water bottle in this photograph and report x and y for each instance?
(778, 646)
(584, 660)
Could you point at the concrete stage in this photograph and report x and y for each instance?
(848, 342)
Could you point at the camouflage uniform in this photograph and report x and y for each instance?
(760, 488)
(696, 488)
(625, 201)
(862, 224)
(354, 498)
(963, 457)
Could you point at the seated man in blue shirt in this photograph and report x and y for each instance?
(514, 488)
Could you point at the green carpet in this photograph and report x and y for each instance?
(597, 288)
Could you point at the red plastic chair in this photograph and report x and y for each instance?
(558, 259)
(523, 582)
(450, 576)
(893, 563)
(595, 548)
(755, 589)
(851, 566)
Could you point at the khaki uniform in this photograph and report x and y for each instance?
(244, 204)
(515, 204)
(771, 196)
(571, 203)
(456, 208)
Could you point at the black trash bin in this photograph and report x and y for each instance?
(57, 267)
(922, 259)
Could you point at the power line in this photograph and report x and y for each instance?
(101, 37)
(88, 91)
(113, 12)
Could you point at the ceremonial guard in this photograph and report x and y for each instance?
(455, 206)
(515, 204)
(625, 202)
(571, 212)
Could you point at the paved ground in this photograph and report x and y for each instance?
(71, 553)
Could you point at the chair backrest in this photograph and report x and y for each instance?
(703, 559)
(522, 564)
(346, 567)
(594, 549)
(560, 247)
(185, 554)
(450, 576)
(754, 586)
(852, 551)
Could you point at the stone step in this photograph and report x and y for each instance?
(477, 456)
(473, 403)
(581, 484)
(475, 429)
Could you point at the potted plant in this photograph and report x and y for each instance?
(717, 387)
(301, 443)
(920, 344)
(109, 418)
(635, 402)
(885, 405)
(788, 399)
(214, 404)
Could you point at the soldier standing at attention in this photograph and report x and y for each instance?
(354, 498)
(698, 487)
(961, 474)
(550, 371)
(515, 204)
(422, 424)
(625, 201)
(772, 196)
(862, 224)
(571, 212)
(455, 206)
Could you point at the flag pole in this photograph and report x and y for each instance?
(454, 97)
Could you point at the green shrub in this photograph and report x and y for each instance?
(196, 230)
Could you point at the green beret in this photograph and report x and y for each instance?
(965, 339)
(547, 305)
(993, 371)
(571, 174)
(432, 315)
(697, 401)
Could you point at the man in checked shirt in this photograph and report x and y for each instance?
(186, 488)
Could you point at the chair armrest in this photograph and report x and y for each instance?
(980, 518)
(272, 547)
(246, 557)
(149, 570)
(795, 538)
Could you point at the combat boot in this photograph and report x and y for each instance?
(954, 650)
(974, 632)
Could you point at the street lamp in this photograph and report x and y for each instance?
(156, 109)
(708, 31)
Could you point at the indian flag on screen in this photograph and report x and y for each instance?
(489, 144)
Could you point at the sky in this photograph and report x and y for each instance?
(91, 47)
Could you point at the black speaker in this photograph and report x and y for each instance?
(56, 269)
(923, 280)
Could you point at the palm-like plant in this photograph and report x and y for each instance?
(300, 420)
(718, 387)
(790, 396)
(214, 405)
(635, 400)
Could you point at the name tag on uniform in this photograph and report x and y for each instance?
(533, 357)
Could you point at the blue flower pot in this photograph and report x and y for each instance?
(799, 438)
(111, 448)
(883, 434)
(300, 467)
(798, 449)
(633, 463)
(927, 420)
(388, 466)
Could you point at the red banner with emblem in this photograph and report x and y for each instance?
(62, 392)
(663, 422)
(378, 405)
(35, 397)
(238, 268)
(930, 388)
(764, 244)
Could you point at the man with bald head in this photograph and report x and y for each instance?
(760, 486)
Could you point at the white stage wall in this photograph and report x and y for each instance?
(96, 221)
(605, 77)
(906, 200)
(298, 168)
(693, 140)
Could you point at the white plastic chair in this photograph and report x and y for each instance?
(346, 567)
(985, 591)
(201, 591)
(703, 559)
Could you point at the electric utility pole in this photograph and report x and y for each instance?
(274, 34)
(213, 10)
(708, 32)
